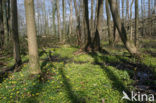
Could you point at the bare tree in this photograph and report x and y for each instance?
(64, 15)
(58, 19)
(92, 20)
(32, 39)
(5, 22)
(121, 29)
(96, 41)
(54, 12)
(78, 28)
(71, 18)
(136, 21)
(1, 25)
(108, 23)
(88, 44)
(15, 32)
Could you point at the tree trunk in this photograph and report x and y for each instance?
(54, 12)
(1, 25)
(108, 24)
(131, 28)
(71, 18)
(58, 19)
(121, 29)
(136, 22)
(15, 35)
(78, 28)
(88, 43)
(127, 10)
(123, 9)
(64, 21)
(96, 41)
(5, 23)
(32, 39)
(92, 20)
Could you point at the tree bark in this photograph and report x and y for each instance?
(15, 35)
(64, 21)
(1, 25)
(121, 29)
(78, 28)
(58, 19)
(54, 12)
(32, 39)
(92, 20)
(131, 28)
(71, 18)
(123, 9)
(88, 43)
(5, 23)
(96, 40)
(108, 24)
(136, 22)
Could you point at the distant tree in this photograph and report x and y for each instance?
(54, 12)
(121, 29)
(123, 8)
(92, 19)
(14, 32)
(32, 39)
(58, 19)
(5, 22)
(131, 28)
(64, 20)
(1, 25)
(136, 22)
(71, 17)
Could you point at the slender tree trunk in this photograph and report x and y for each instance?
(78, 28)
(108, 24)
(1, 25)
(123, 9)
(92, 20)
(5, 22)
(149, 8)
(88, 43)
(96, 41)
(95, 21)
(15, 35)
(131, 28)
(54, 12)
(58, 19)
(116, 18)
(64, 21)
(32, 39)
(127, 10)
(71, 18)
(136, 22)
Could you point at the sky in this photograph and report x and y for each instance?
(48, 6)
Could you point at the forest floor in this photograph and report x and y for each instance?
(72, 76)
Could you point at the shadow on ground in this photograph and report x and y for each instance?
(133, 70)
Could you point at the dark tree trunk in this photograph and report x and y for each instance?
(108, 24)
(96, 40)
(136, 22)
(88, 43)
(15, 35)
(1, 26)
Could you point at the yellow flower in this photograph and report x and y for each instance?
(37, 93)
(17, 92)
